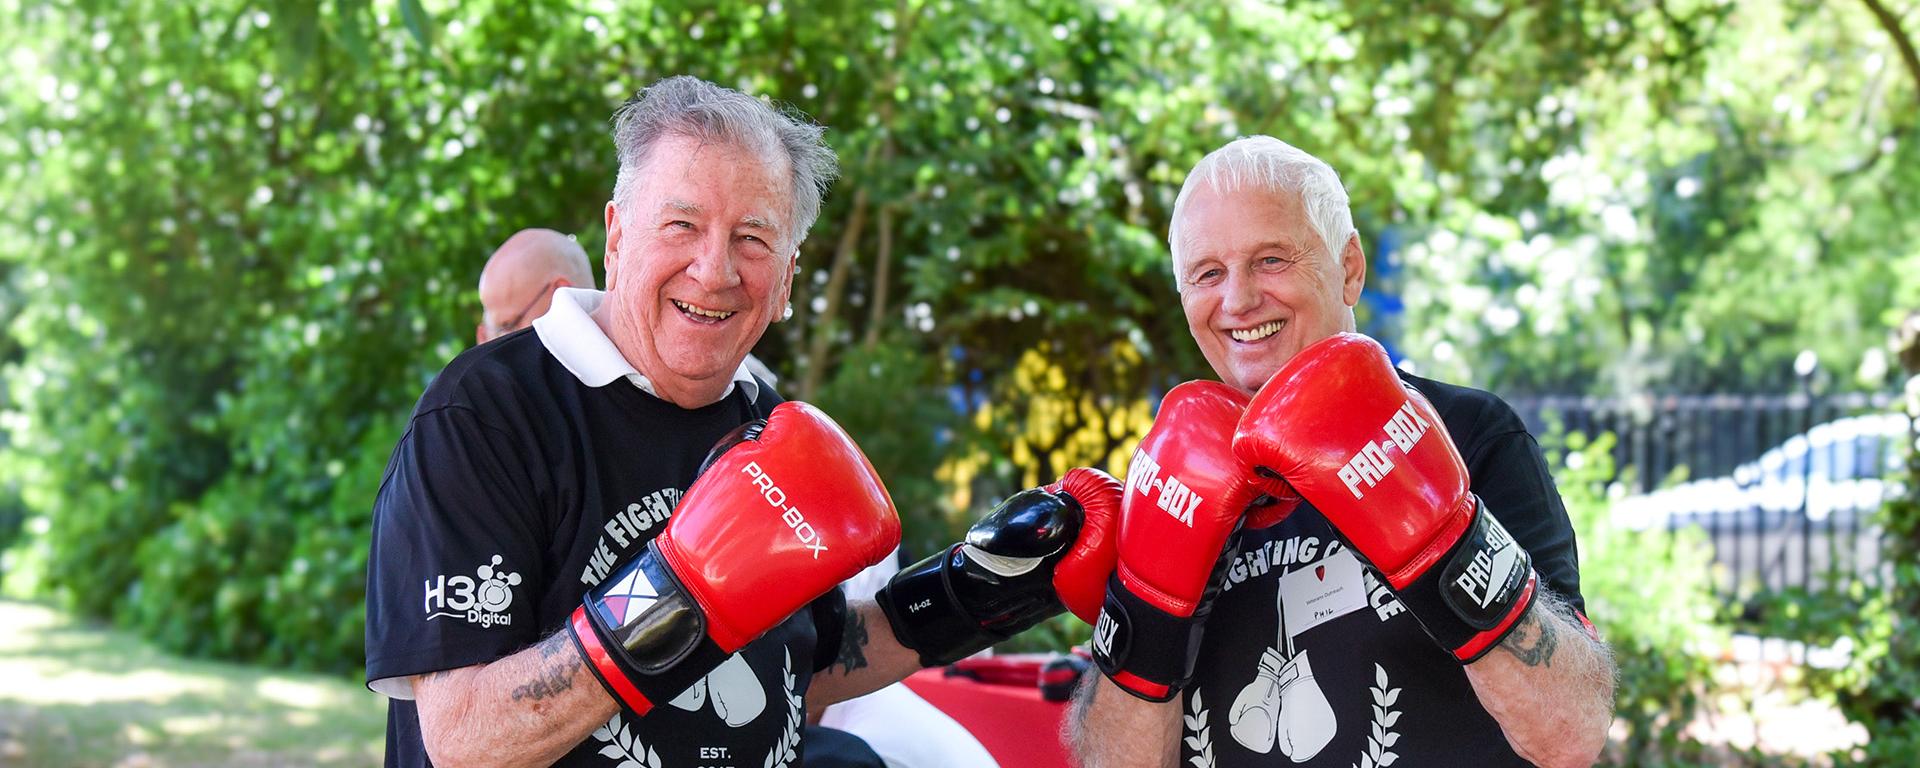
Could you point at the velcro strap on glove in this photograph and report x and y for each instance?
(927, 617)
(1478, 591)
(1146, 651)
(642, 635)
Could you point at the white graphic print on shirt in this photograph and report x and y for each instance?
(737, 699)
(1283, 707)
(733, 688)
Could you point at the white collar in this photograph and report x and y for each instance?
(572, 337)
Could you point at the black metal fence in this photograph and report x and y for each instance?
(1785, 486)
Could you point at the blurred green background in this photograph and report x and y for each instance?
(238, 238)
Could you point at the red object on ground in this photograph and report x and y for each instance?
(998, 670)
(1015, 724)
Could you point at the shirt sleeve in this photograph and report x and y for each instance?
(1510, 474)
(829, 627)
(455, 554)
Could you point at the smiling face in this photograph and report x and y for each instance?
(1257, 283)
(698, 266)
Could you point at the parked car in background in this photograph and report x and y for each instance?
(1799, 515)
(1837, 468)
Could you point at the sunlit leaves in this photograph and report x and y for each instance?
(1715, 215)
(238, 238)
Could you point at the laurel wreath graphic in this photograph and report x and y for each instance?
(788, 747)
(1382, 738)
(1200, 739)
(622, 746)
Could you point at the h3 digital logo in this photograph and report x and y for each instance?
(483, 600)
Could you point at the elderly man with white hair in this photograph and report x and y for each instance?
(1370, 567)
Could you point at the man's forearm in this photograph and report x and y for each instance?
(870, 658)
(526, 709)
(1550, 686)
(1110, 728)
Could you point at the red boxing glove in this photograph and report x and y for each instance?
(788, 509)
(1186, 494)
(1081, 577)
(1372, 455)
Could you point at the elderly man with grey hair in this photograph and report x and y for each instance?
(1313, 642)
(539, 465)
(532, 595)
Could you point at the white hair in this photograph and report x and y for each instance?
(1269, 164)
(691, 107)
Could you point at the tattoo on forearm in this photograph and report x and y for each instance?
(556, 644)
(1533, 640)
(552, 677)
(853, 643)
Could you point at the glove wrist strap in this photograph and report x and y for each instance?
(926, 616)
(1145, 650)
(1477, 592)
(929, 615)
(995, 585)
(642, 634)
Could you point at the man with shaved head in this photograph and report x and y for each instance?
(521, 276)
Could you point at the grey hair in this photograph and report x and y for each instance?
(694, 108)
(1272, 165)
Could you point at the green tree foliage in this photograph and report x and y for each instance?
(1716, 215)
(239, 264)
(237, 239)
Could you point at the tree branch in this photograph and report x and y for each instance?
(882, 263)
(1891, 23)
(824, 322)
(843, 254)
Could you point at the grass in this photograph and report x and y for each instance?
(78, 695)
(73, 694)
